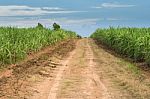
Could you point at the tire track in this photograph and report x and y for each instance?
(94, 77)
(56, 83)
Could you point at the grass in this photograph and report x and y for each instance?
(134, 69)
(16, 43)
(131, 67)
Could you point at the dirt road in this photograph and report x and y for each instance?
(91, 72)
(76, 78)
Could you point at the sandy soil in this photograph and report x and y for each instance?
(87, 72)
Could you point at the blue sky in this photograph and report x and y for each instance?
(82, 16)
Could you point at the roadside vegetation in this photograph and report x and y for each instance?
(130, 42)
(16, 43)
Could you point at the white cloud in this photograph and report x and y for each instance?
(15, 7)
(97, 7)
(14, 10)
(114, 19)
(48, 22)
(114, 5)
(67, 21)
(52, 8)
(29, 22)
(77, 21)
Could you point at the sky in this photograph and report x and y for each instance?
(81, 16)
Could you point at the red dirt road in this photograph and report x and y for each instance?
(92, 73)
(87, 72)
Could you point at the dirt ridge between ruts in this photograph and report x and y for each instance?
(95, 77)
(56, 84)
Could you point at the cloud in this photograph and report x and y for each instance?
(52, 8)
(68, 21)
(77, 21)
(23, 22)
(114, 19)
(31, 21)
(15, 10)
(97, 7)
(114, 5)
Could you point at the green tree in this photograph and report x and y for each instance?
(79, 36)
(39, 26)
(56, 26)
